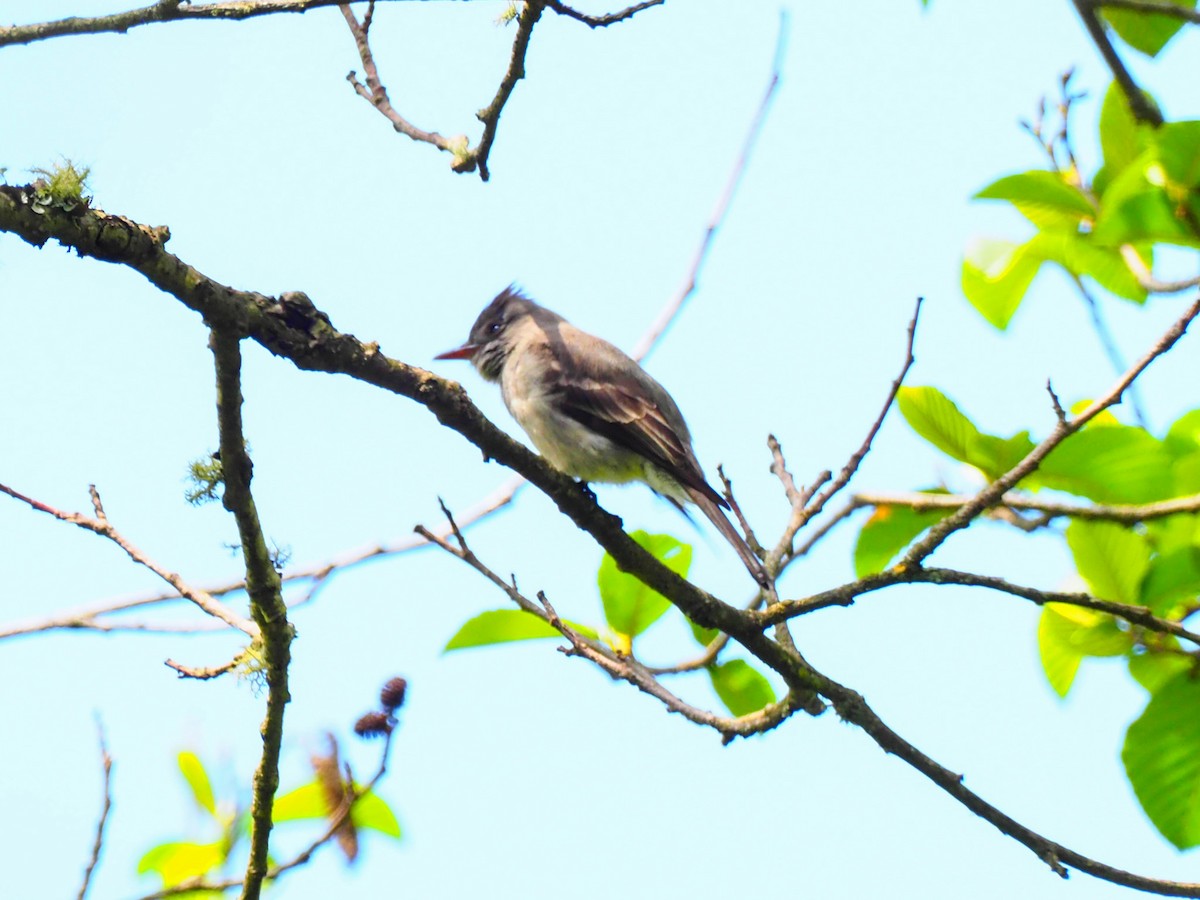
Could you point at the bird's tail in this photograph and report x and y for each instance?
(717, 517)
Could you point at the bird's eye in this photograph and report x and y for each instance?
(494, 327)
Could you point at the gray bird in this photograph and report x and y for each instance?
(590, 409)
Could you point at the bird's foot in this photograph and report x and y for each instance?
(586, 489)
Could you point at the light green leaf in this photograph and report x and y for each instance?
(1178, 149)
(499, 626)
(310, 802)
(1042, 197)
(1082, 256)
(936, 418)
(1152, 670)
(1172, 578)
(995, 276)
(995, 455)
(1147, 32)
(1173, 533)
(371, 811)
(1142, 204)
(197, 779)
(1183, 437)
(1060, 660)
(176, 862)
(1162, 760)
(1122, 137)
(305, 802)
(1066, 634)
(741, 688)
(1111, 558)
(1109, 465)
(631, 607)
(887, 532)
(703, 636)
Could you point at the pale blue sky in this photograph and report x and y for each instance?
(517, 772)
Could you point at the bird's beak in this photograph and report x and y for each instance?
(466, 351)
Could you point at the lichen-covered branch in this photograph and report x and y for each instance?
(262, 586)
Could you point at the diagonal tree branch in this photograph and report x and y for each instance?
(1142, 109)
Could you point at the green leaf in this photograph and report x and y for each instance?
(371, 811)
(310, 802)
(1173, 533)
(1109, 465)
(305, 802)
(499, 626)
(1172, 578)
(995, 276)
(1066, 634)
(887, 532)
(197, 779)
(1111, 558)
(1151, 199)
(1042, 197)
(995, 455)
(176, 862)
(1178, 152)
(1060, 659)
(1162, 760)
(1152, 669)
(1122, 137)
(1147, 32)
(1081, 256)
(1183, 437)
(631, 607)
(933, 416)
(704, 636)
(741, 688)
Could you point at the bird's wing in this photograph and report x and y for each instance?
(631, 418)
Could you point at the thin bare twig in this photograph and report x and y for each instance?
(618, 666)
(721, 210)
(203, 673)
(1146, 278)
(465, 157)
(104, 528)
(1124, 513)
(604, 20)
(802, 513)
(154, 13)
(490, 114)
(106, 765)
(847, 594)
(376, 94)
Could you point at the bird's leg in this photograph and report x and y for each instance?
(587, 491)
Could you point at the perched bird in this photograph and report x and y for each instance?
(590, 409)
